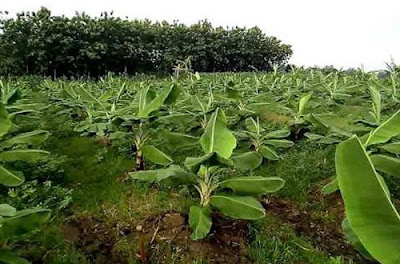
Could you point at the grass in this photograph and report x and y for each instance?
(274, 243)
(302, 166)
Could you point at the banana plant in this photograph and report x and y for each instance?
(383, 149)
(372, 223)
(376, 108)
(299, 119)
(218, 143)
(12, 99)
(263, 145)
(110, 118)
(8, 94)
(13, 223)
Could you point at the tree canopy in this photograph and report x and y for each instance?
(44, 44)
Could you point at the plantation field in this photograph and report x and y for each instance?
(194, 168)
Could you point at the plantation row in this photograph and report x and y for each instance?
(214, 135)
(47, 45)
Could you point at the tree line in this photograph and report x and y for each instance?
(39, 43)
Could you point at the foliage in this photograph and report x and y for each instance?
(370, 213)
(44, 44)
(218, 143)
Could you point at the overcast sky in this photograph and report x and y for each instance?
(343, 33)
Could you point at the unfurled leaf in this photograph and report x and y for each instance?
(331, 187)
(5, 122)
(217, 137)
(393, 148)
(7, 210)
(167, 95)
(253, 185)
(279, 143)
(312, 136)
(200, 221)
(303, 102)
(389, 129)
(282, 133)
(176, 140)
(268, 153)
(24, 155)
(386, 164)
(211, 159)
(156, 156)
(252, 125)
(174, 172)
(247, 161)
(376, 103)
(11, 178)
(239, 207)
(31, 138)
(370, 213)
(86, 96)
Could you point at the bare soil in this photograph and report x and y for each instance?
(226, 242)
(320, 221)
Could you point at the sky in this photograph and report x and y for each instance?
(342, 33)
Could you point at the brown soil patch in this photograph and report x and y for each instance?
(97, 239)
(320, 220)
(166, 237)
(226, 242)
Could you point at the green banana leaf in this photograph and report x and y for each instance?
(176, 140)
(251, 125)
(155, 155)
(303, 102)
(393, 148)
(247, 161)
(174, 173)
(24, 155)
(32, 138)
(354, 240)
(268, 153)
(217, 138)
(7, 210)
(200, 221)
(238, 207)
(389, 129)
(5, 122)
(386, 164)
(370, 213)
(279, 143)
(282, 133)
(331, 187)
(10, 178)
(211, 159)
(253, 185)
(167, 95)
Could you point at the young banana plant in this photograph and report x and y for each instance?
(299, 119)
(202, 109)
(108, 117)
(218, 143)
(263, 145)
(145, 106)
